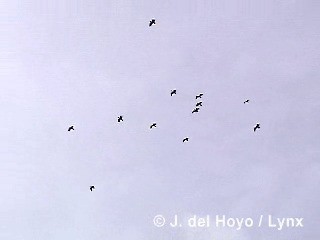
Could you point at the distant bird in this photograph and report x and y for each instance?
(185, 140)
(152, 21)
(120, 118)
(246, 101)
(70, 128)
(256, 127)
(199, 96)
(174, 91)
(91, 188)
(199, 104)
(195, 110)
(153, 125)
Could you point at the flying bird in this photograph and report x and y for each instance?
(70, 128)
(195, 110)
(91, 188)
(185, 140)
(256, 127)
(199, 96)
(153, 125)
(199, 104)
(152, 21)
(246, 101)
(174, 91)
(120, 118)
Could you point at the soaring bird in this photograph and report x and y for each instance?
(195, 110)
(246, 101)
(174, 91)
(120, 118)
(199, 104)
(256, 127)
(152, 21)
(199, 96)
(153, 125)
(70, 128)
(91, 188)
(185, 140)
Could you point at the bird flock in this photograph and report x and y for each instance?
(173, 92)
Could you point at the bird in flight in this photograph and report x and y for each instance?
(185, 139)
(174, 91)
(120, 118)
(195, 110)
(152, 21)
(153, 125)
(199, 104)
(256, 127)
(91, 188)
(246, 101)
(199, 96)
(70, 128)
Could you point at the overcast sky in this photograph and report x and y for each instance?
(84, 63)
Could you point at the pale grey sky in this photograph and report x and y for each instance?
(84, 63)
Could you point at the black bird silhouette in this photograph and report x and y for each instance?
(152, 21)
(199, 96)
(120, 118)
(153, 125)
(195, 110)
(256, 127)
(185, 140)
(91, 188)
(246, 101)
(174, 91)
(70, 128)
(199, 104)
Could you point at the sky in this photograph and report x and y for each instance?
(84, 63)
